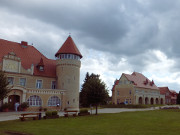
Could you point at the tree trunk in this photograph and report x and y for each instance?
(96, 109)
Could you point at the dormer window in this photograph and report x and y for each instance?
(40, 65)
(41, 68)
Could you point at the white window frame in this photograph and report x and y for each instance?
(54, 101)
(20, 81)
(34, 100)
(55, 86)
(37, 85)
(12, 80)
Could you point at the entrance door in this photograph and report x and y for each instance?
(12, 100)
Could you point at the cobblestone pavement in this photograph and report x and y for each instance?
(5, 116)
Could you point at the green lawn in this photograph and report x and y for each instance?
(160, 122)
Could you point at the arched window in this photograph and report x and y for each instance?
(34, 101)
(54, 101)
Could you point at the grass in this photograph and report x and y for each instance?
(159, 122)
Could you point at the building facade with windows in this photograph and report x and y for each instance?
(40, 81)
(136, 89)
(170, 95)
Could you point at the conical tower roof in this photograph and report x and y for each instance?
(69, 47)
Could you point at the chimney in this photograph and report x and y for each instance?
(24, 44)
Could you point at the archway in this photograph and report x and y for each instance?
(140, 100)
(146, 101)
(54, 101)
(157, 101)
(152, 101)
(12, 99)
(161, 101)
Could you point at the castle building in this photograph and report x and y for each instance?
(135, 88)
(42, 82)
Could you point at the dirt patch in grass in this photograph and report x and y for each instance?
(15, 133)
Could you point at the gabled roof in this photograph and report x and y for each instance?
(140, 80)
(29, 55)
(69, 47)
(41, 63)
(164, 90)
(115, 83)
(173, 91)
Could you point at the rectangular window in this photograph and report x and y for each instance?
(11, 80)
(118, 93)
(53, 85)
(23, 81)
(120, 82)
(39, 84)
(62, 56)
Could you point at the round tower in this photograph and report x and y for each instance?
(68, 72)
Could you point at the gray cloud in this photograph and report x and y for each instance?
(119, 28)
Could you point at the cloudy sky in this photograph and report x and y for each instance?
(114, 36)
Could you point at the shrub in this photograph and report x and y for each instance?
(54, 113)
(45, 109)
(49, 113)
(24, 105)
(84, 111)
(40, 108)
(5, 106)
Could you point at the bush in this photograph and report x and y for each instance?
(24, 105)
(49, 113)
(5, 106)
(45, 109)
(40, 108)
(84, 111)
(54, 113)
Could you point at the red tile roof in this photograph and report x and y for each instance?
(69, 47)
(29, 55)
(140, 80)
(115, 83)
(173, 91)
(163, 90)
(41, 63)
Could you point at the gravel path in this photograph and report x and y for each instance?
(5, 116)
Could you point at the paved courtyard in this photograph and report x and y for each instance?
(4, 116)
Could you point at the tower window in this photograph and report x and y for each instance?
(69, 81)
(62, 85)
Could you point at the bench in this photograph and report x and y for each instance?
(73, 112)
(24, 116)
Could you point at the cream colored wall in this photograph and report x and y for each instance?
(30, 89)
(45, 98)
(136, 93)
(68, 72)
(31, 80)
(124, 91)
